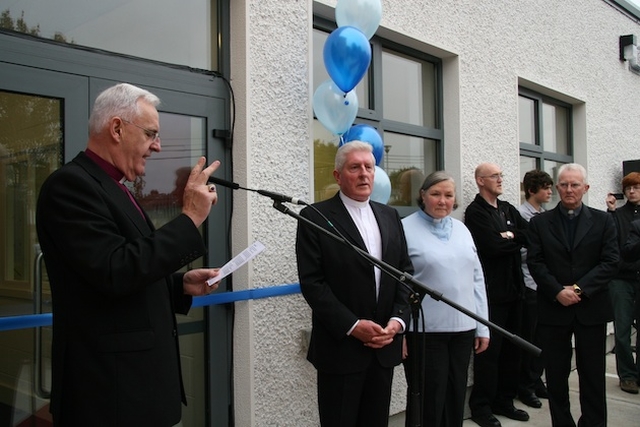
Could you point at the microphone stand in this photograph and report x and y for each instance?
(405, 279)
(417, 377)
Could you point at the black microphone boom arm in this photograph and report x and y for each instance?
(224, 183)
(277, 197)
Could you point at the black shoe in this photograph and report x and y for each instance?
(541, 392)
(530, 400)
(487, 420)
(630, 386)
(512, 412)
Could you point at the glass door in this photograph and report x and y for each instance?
(33, 126)
(46, 92)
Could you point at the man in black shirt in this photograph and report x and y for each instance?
(499, 232)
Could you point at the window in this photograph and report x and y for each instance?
(169, 31)
(545, 134)
(400, 96)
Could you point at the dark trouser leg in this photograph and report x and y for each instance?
(531, 367)
(556, 346)
(590, 360)
(360, 399)
(444, 358)
(495, 371)
(509, 361)
(623, 295)
(432, 353)
(460, 349)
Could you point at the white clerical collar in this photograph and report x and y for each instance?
(353, 203)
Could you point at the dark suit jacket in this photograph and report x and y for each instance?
(631, 248)
(339, 286)
(115, 349)
(590, 263)
(622, 218)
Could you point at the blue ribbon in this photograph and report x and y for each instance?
(227, 297)
(37, 320)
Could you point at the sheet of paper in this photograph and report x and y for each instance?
(238, 261)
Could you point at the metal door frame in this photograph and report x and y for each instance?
(29, 64)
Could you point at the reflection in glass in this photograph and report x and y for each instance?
(555, 129)
(527, 120)
(549, 127)
(31, 136)
(167, 31)
(408, 89)
(407, 160)
(160, 190)
(551, 168)
(408, 183)
(30, 149)
(325, 145)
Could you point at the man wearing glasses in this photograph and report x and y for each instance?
(499, 232)
(572, 256)
(114, 278)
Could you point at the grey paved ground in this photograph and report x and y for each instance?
(623, 408)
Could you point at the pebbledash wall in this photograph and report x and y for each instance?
(566, 49)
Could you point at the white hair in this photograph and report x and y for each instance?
(573, 167)
(120, 100)
(349, 147)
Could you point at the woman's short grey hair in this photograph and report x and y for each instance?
(120, 100)
(432, 179)
(349, 147)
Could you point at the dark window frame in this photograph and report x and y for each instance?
(537, 150)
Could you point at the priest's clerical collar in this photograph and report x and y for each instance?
(111, 170)
(571, 213)
(355, 203)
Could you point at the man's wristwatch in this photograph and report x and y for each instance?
(577, 289)
(510, 235)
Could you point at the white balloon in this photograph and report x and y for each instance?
(335, 109)
(365, 15)
(381, 186)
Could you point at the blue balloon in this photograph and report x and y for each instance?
(365, 15)
(334, 109)
(381, 186)
(346, 54)
(368, 134)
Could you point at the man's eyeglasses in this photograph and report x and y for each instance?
(573, 185)
(635, 188)
(151, 134)
(495, 176)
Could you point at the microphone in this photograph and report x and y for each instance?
(277, 197)
(224, 183)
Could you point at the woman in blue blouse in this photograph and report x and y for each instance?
(445, 259)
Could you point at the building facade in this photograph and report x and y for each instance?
(451, 84)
